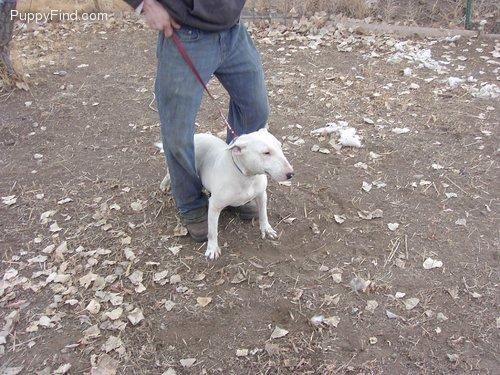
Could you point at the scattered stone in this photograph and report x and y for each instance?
(278, 333)
(371, 305)
(203, 301)
(393, 226)
(339, 218)
(430, 263)
(188, 362)
(175, 279)
(241, 352)
(169, 305)
(411, 303)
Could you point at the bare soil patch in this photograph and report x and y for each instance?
(79, 171)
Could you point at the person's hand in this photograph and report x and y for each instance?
(158, 18)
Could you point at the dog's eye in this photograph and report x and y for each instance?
(267, 153)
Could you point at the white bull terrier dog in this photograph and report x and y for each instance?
(235, 174)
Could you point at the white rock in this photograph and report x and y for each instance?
(9, 200)
(391, 315)
(317, 320)
(241, 352)
(187, 362)
(410, 303)
(175, 249)
(371, 305)
(393, 226)
(159, 276)
(337, 278)
(136, 206)
(366, 186)
(278, 333)
(430, 263)
(203, 301)
(400, 130)
(339, 218)
(175, 279)
(455, 82)
(54, 228)
(169, 305)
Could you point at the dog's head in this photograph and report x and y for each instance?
(260, 153)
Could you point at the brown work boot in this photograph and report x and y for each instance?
(198, 231)
(196, 223)
(248, 211)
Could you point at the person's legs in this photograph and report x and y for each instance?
(179, 95)
(242, 76)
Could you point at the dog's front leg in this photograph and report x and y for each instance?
(265, 227)
(165, 183)
(214, 210)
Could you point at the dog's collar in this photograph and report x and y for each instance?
(237, 166)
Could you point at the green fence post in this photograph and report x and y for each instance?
(468, 14)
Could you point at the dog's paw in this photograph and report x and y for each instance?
(269, 231)
(165, 183)
(213, 251)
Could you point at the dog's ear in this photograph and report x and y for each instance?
(237, 146)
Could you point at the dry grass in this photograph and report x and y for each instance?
(352, 8)
(9, 81)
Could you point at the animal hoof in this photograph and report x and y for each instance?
(212, 252)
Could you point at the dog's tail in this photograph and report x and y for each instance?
(160, 146)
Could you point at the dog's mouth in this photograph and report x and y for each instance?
(281, 178)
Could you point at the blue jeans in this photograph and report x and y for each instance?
(232, 58)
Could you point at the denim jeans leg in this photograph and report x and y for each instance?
(179, 95)
(242, 75)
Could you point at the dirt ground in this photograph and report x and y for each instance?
(86, 234)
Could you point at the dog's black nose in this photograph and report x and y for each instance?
(289, 175)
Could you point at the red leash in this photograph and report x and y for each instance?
(182, 51)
